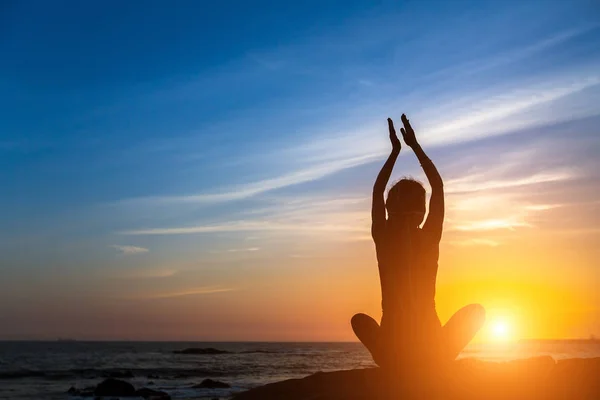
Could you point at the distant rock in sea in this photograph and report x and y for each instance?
(536, 378)
(210, 384)
(203, 351)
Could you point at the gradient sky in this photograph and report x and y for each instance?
(202, 170)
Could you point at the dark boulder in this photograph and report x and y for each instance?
(114, 387)
(210, 384)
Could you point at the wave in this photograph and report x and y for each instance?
(259, 352)
(21, 374)
(213, 351)
(150, 373)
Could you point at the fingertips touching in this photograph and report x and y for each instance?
(391, 124)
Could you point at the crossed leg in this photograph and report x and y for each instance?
(456, 333)
(461, 328)
(368, 331)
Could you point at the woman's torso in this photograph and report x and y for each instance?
(408, 263)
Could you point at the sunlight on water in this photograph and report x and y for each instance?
(505, 350)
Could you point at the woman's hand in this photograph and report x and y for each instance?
(396, 145)
(408, 134)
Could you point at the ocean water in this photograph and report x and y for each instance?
(46, 370)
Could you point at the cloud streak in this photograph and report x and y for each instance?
(516, 55)
(500, 111)
(475, 242)
(485, 114)
(252, 189)
(248, 249)
(193, 292)
(246, 226)
(205, 290)
(492, 224)
(478, 182)
(129, 250)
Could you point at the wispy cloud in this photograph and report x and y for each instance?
(183, 293)
(300, 214)
(501, 110)
(308, 174)
(515, 55)
(129, 250)
(475, 242)
(542, 207)
(481, 181)
(493, 112)
(248, 249)
(492, 224)
(245, 226)
(503, 193)
(193, 292)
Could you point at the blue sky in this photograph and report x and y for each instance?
(152, 139)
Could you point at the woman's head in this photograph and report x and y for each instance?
(406, 199)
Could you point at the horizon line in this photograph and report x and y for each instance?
(593, 338)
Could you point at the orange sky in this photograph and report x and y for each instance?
(526, 251)
(220, 189)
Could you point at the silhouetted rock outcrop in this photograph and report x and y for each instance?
(114, 387)
(210, 384)
(207, 350)
(537, 378)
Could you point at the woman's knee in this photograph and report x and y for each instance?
(359, 320)
(478, 311)
(364, 326)
(476, 315)
(356, 318)
(472, 310)
(469, 317)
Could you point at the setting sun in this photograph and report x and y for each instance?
(500, 330)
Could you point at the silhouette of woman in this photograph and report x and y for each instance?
(407, 256)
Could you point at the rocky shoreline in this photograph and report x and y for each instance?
(536, 378)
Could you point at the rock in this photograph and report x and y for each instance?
(537, 378)
(210, 384)
(203, 351)
(114, 387)
(150, 394)
(72, 391)
(153, 376)
(150, 383)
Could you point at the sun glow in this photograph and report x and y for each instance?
(500, 330)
